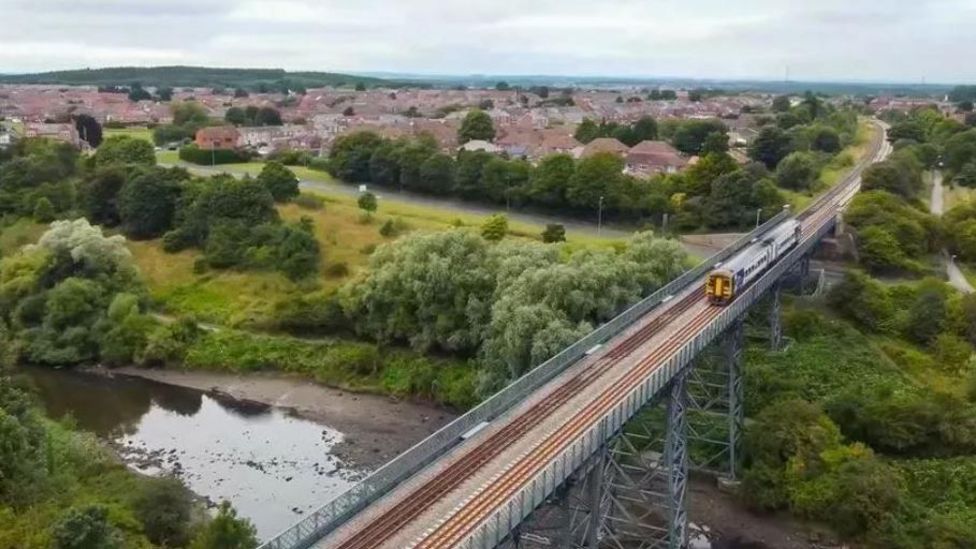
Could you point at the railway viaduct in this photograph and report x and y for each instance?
(593, 447)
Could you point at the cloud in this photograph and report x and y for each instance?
(829, 39)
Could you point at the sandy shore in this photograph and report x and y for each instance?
(376, 428)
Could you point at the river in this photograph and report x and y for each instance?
(271, 465)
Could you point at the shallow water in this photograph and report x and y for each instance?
(274, 467)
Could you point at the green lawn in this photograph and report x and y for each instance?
(139, 132)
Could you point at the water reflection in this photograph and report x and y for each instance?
(273, 466)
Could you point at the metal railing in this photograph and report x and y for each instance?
(334, 513)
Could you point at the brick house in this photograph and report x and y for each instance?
(649, 157)
(604, 145)
(56, 132)
(217, 137)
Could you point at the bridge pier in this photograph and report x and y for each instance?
(775, 325)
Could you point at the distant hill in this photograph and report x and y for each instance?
(205, 77)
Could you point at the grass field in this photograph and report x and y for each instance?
(955, 195)
(24, 231)
(139, 132)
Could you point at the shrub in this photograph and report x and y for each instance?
(85, 528)
(337, 270)
(279, 180)
(309, 201)
(43, 210)
(195, 155)
(163, 505)
(554, 232)
(494, 228)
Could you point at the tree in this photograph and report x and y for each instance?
(548, 181)
(587, 131)
(367, 203)
(596, 176)
(240, 93)
(781, 103)
(147, 203)
(690, 135)
(85, 528)
(645, 129)
(189, 113)
(470, 166)
(503, 86)
(267, 116)
(349, 157)
(555, 232)
(494, 228)
(893, 177)
(797, 171)
(89, 130)
(907, 129)
(122, 149)
(43, 210)
(360, 86)
(476, 125)
(927, 316)
(164, 507)
(164, 94)
(770, 146)
(863, 300)
(226, 531)
(349, 111)
(136, 93)
(715, 142)
(825, 139)
(279, 180)
(437, 174)
(235, 116)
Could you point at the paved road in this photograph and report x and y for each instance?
(937, 206)
(406, 197)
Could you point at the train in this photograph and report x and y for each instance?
(732, 276)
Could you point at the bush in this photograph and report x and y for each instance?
(494, 228)
(85, 528)
(338, 269)
(195, 155)
(279, 180)
(554, 232)
(309, 201)
(43, 210)
(226, 531)
(164, 506)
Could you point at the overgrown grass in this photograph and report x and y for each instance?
(24, 231)
(350, 365)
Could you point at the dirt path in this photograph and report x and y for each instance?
(376, 428)
(731, 525)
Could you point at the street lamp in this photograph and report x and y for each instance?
(758, 212)
(213, 153)
(599, 217)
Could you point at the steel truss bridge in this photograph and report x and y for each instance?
(593, 447)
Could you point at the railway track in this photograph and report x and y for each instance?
(453, 530)
(456, 473)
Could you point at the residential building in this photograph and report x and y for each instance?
(217, 137)
(57, 132)
(604, 145)
(649, 157)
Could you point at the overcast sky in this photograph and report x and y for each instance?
(877, 40)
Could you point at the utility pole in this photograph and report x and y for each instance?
(599, 217)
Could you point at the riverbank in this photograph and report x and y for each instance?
(376, 428)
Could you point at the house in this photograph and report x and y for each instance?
(217, 137)
(604, 145)
(649, 157)
(556, 142)
(57, 132)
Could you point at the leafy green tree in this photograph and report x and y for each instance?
(645, 129)
(797, 171)
(595, 176)
(880, 251)
(384, 166)
(85, 528)
(908, 129)
(189, 113)
(147, 203)
(43, 210)
(164, 93)
(437, 174)
(235, 116)
(927, 316)
(825, 139)
(587, 131)
(476, 125)
(226, 531)
(410, 156)
(770, 146)
(349, 157)
(494, 228)
(505, 180)
(122, 149)
(88, 129)
(164, 507)
(781, 103)
(470, 167)
(715, 142)
(367, 202)
(98, 195)
(690, 135)
(503, 86)
(267, 116)
(279, 180)
(360, 86)
(890, 176)
(863, 300)
(554, 232)
(548, 181)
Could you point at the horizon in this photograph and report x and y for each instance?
(763, 40)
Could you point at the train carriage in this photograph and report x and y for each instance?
(730, 277)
